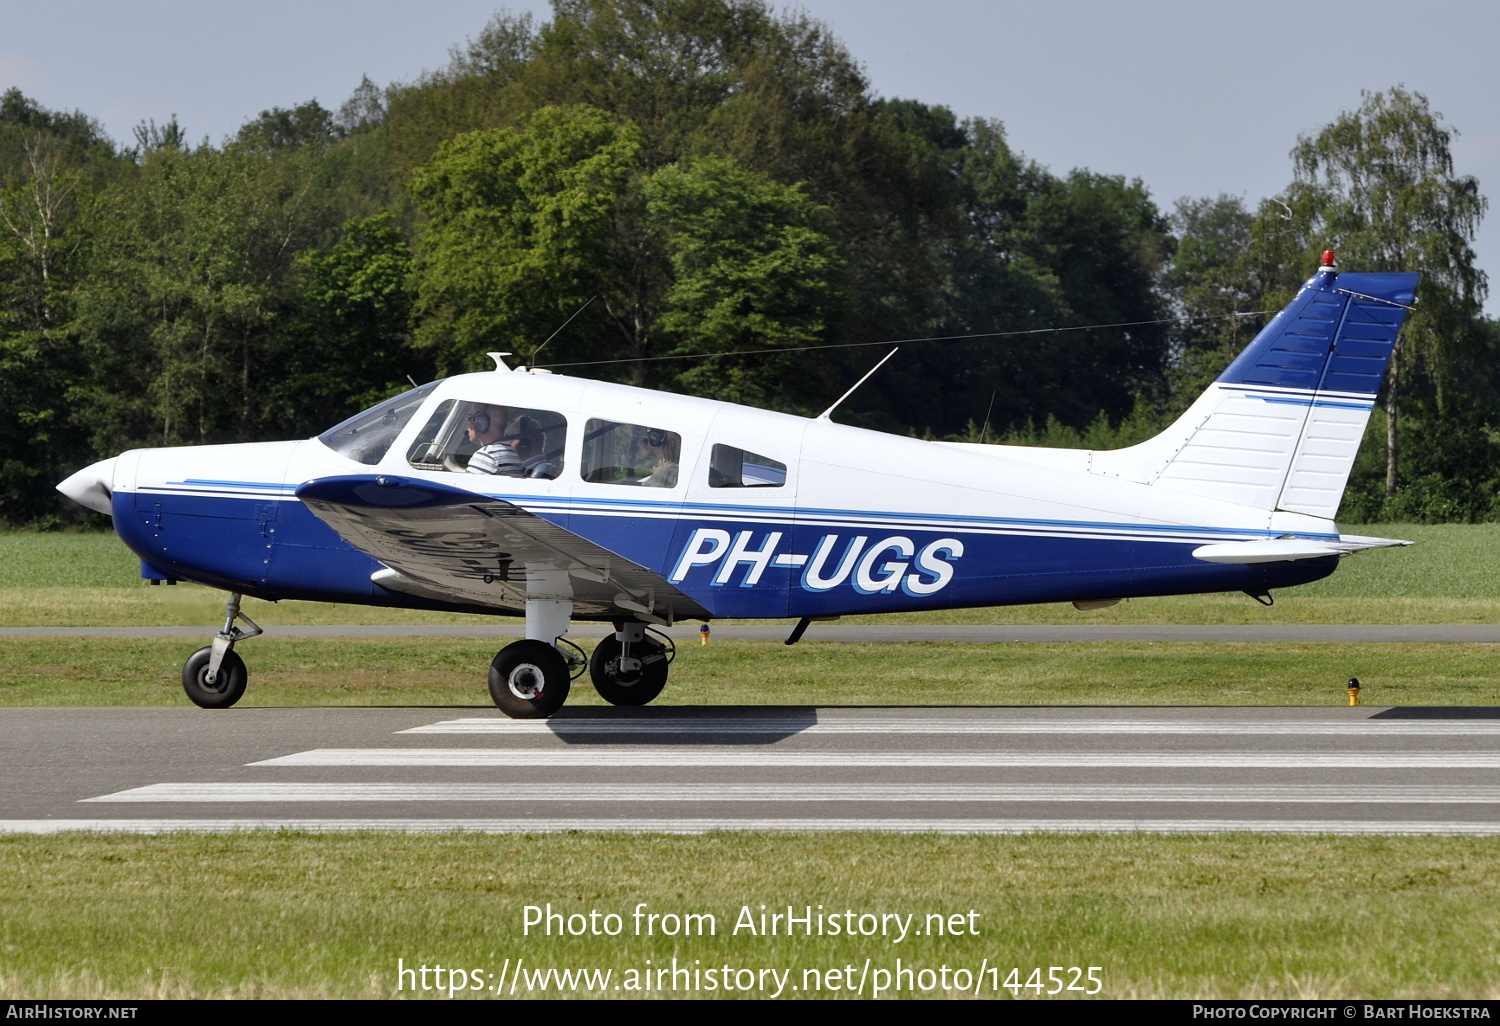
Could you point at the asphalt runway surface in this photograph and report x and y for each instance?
(692, 769)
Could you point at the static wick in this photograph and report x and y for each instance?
(1353, 688)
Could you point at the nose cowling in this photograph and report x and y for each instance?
(93, 486)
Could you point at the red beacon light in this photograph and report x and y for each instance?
(1328, 259)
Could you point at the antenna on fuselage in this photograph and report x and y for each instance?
(825, 415)
(991, 409)
(561, 326)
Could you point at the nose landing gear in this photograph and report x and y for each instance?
(214, 677)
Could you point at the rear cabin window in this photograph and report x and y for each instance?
(741, 468)
(469, 437)
(630, 454)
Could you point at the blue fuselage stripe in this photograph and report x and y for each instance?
(797, 563)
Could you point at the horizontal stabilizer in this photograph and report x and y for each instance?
(1282, 550)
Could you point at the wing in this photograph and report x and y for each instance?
(446, 543)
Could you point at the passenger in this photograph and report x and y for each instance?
(494, 456)
(526, 437)
(663, 447)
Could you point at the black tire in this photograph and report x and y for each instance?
(629, 689)
(529, 680)
(225, 690)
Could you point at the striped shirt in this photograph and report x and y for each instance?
(497, 458)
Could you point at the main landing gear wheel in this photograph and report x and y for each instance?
(529, 680)
(636, 686)
(227, 687)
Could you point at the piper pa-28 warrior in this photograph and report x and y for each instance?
(522, 491)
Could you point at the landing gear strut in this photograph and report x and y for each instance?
(214, 677)
(529, 680)
(628, 668)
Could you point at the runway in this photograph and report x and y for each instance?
(953, 770)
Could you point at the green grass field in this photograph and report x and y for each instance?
(451, 672)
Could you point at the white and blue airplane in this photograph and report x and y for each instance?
(611, 503)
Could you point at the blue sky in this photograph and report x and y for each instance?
(1195, 98)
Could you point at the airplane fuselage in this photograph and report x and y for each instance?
(846, 520)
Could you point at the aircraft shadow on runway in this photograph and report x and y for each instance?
(682, 725)
(1439, 712)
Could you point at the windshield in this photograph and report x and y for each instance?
(366, 436)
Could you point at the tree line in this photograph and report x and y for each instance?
(712, 199)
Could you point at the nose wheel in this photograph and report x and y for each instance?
(226, 687)
(214, 677)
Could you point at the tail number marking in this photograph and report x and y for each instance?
(884, 567)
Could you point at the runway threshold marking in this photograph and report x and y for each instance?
(899, 725)
(761, 757)
(700, 825)
(287, 791)
(876, 797)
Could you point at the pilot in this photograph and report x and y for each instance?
(494, 456)
(663, 448)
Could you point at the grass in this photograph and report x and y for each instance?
(451, 672)
(295, 915)
(1447, 577)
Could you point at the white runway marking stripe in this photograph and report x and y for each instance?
(635, 824)
(594, 792)
(898, 725)
(769, 758)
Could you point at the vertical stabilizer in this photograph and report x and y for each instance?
(1280, 427)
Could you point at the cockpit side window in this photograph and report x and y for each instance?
(731, 467)
(469, 436)
(366, 436)
(630, 454)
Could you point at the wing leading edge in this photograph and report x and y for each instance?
(457, 546)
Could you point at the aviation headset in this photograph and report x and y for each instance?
(480, 420)
(523, 433)
(656, 437)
